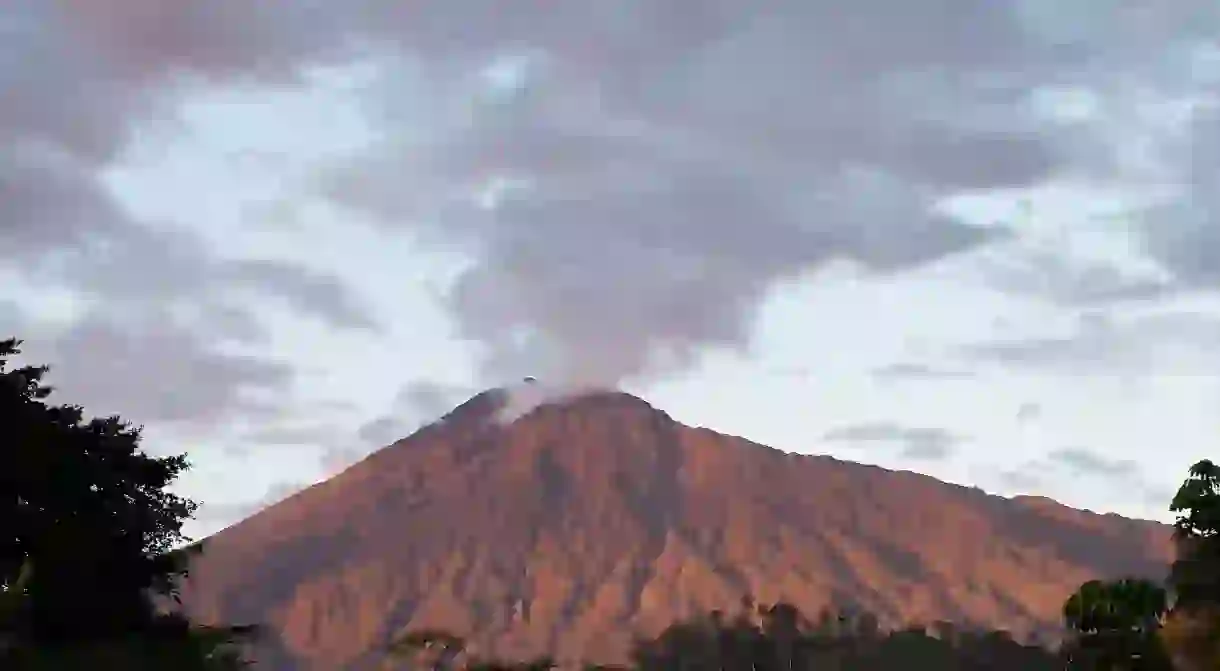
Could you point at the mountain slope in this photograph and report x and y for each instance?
(585, 521)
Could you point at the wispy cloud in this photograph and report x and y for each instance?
(1087, 462)
(1183, 342)
(1028, 412)
(916, 442)
(917, 372)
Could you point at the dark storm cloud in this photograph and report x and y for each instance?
(682, 157)
(638, 241)
(916, 442)
(678, 164)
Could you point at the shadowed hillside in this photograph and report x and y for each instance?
(589, 520)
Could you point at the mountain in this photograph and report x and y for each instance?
(590, 519)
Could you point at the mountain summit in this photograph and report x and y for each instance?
(589, 518)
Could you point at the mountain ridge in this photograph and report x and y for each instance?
(591, 518)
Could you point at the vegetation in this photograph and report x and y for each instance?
(89, 551)
(779, 638)
(1192, 629)
(1116, 625)
(92, 551)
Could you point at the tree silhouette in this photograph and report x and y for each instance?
(1136, 624)
(537, 664)
(1195, 577)
(1116, 625)
(1193, 629)
(88, 541)
(781, 638)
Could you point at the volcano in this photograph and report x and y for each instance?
(591, 519)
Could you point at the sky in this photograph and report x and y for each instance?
(973, 240)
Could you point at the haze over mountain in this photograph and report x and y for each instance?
(588, 519)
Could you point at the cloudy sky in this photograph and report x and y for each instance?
(977, 240)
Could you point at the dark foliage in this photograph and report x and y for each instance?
(1116, 625)
(780, 638)
(1192, 629)
(88, 537)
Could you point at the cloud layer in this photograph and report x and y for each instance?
(659, 174)
(650, 171)
(155, 311)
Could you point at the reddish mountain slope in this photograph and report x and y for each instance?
(586, 521)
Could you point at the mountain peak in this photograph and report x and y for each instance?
(597, 399)
(510, 403)
(591, 517)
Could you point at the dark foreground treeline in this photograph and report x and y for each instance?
(772, 638)
(91, 552)
(779, 638)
